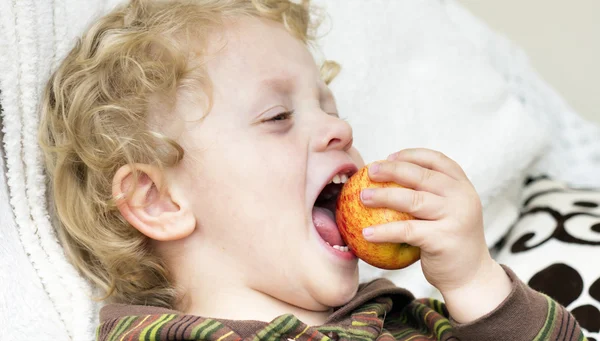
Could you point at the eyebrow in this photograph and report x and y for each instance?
(280, 84)
(284, 84)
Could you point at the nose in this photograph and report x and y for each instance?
(332, 133)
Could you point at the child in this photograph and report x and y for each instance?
(188, 144)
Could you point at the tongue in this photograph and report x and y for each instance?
(325, 223)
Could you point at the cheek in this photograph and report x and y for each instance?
(356, 157)
(255, 184)
(248, 196)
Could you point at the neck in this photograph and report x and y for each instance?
(220, 291)
(243, 303)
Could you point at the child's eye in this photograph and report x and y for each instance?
(281, 117)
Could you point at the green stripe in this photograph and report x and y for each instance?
(146, 333)
(289, 325)
(267, 332)
(418, 309)
(419, 316)
(343, 335)
(201, 326)
(162, 325)
(360, 324)
(115, 328)
(351, 333)
(440, 327)
(403, 317)
(368, 307)
(123, 327)
(550, 320)
(207, 332)
(158, 326)
(403, 334)
(438, 307)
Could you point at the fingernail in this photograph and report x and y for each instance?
(374, 168)
(368, 231)
(392, 157)
(366, 194)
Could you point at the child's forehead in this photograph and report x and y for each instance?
(260, 48)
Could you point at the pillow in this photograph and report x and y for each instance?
(555, 246)
(411, 78)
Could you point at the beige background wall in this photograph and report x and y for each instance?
(562, 39)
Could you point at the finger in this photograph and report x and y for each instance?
(420, 204)
(413, 232)
(412, 176)
(431, 159)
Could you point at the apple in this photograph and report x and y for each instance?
(352, 217)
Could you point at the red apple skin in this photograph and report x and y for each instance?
(352, 217)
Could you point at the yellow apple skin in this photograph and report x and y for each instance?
(352, 217)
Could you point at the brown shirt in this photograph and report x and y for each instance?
(379, 311)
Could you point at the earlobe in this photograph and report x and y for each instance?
(150, 205)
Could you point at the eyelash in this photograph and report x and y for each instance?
(289, 114)
(281, 117)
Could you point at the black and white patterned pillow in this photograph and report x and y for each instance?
(555, 247)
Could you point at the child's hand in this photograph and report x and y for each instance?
(454, 255)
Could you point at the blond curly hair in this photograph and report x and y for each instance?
(95, 119)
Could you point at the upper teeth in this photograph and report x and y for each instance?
(339, 179)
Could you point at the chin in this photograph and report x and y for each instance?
(335, 293)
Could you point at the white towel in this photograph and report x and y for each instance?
(24, 304)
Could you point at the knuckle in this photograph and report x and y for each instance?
(384, 195)
(392, 167)
(408, 231)
(384, 231)
(440, 156)
(418, 199)
(426, 175)
(435, 248)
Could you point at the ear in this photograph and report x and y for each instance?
(161, 215)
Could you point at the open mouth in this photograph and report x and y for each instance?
(324, 211)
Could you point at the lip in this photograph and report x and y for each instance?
(348, 168)
(336, 255)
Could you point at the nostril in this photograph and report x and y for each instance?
(341, 144)
(333, 135)
(334, 142)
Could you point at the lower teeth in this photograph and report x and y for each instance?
(338, 247)
(341, 248)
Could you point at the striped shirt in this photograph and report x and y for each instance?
(379, 311)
